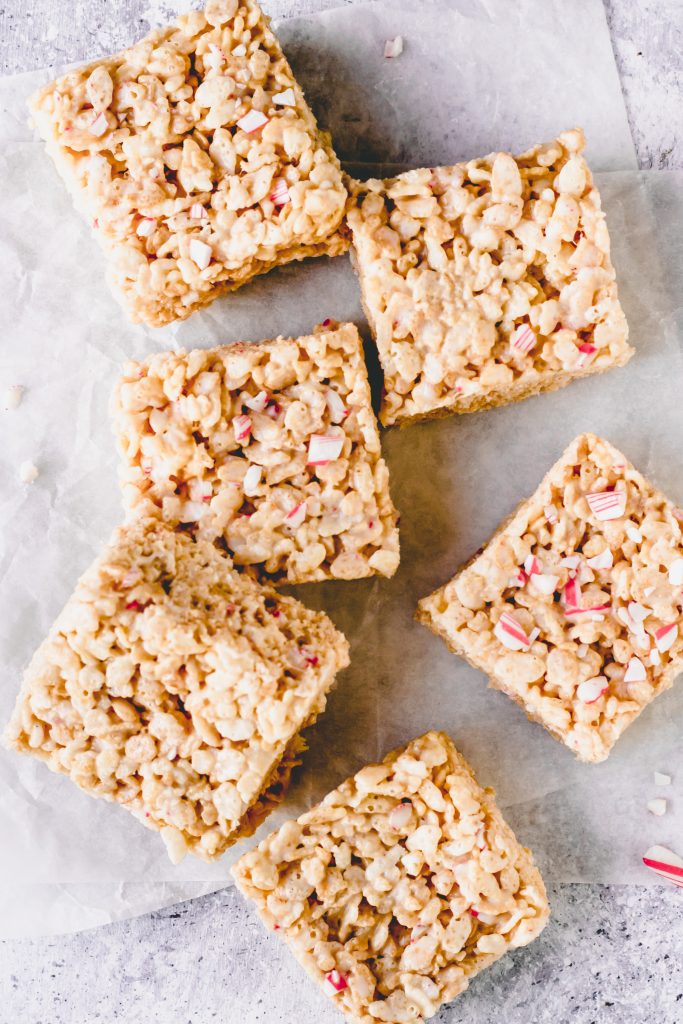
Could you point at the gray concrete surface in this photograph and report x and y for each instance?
(611, 954)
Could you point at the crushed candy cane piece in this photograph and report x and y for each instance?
(239, 51)
(582, 650)
(661, 779)
(286, 98)
(586, 352)
(637, 612)
(534, 634)
(655, 658)
(200, 253)
(146, 227)
(335, 982)
(531, 565)
(201, 490)
(676, 572)
(635, 671)
(634, 534)
(242, 427)
(393, 47)
(252, 478)
(571, 595)
(605, 560)
(591, 690)
(519, 579)
(666, 636)
(657, 806)
(511, 634)
(648, 591)
(665, 863)
(280, 195)
(606, 505)
(12, 397)
(252, 121)
(99, 125)
(28, 472)
(258, 403)
(198, 212)
(571, 562)
(335, 405)
(550, 514)
(324, 448)
(545, 583)
(400, 815)
(296, 516)
(523, 339)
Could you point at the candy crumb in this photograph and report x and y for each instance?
(657, 806)
(12, 397)
(393, 47)
(661, 779)
(28, 472)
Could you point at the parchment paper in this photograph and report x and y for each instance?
(78, 861)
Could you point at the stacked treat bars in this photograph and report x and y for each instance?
(176, 681)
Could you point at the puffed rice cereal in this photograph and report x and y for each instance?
(488, 281)
(177, 687)
(196, 159)
(575, 606)
(400, 886)
(272, 449)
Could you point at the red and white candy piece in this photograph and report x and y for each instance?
(145, 228)
(511, 634)
(637, 613)
(258, 403)
(400, 815)
(523, 339)
(280, 195)
(665, 863)
(591, 690)
(296, 516)
(198, 212)
(586, 353)
(99, 126)
(531, 565)
(393, 47)
(676, 572)
(571, 595)
(242, 427)
(605, 560)
(550, 514)
(635, 671)
(571, 562)
(252, 121)
(634, 534)
(545, 583)
(606, 505)
(324, 448)
(665, 636)
(286, 98)
(335, 405)
(200, 253)
(335, 982)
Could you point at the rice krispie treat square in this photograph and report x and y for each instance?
(196, 158)
(177, 687)
(271, 449)
(488, 281)
(574, 606)
(400, 886)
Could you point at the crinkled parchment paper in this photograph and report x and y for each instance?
(474, 76)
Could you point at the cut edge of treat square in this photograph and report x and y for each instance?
(93, 585)
(334, 982)
(427, 614)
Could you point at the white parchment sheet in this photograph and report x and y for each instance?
(494, 78)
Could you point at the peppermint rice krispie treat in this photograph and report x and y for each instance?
(197, 160)
(272, 449)
(573, 608)
(177, 688)
(400, 886)
(488, 281)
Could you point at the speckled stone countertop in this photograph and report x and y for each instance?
(610, 955)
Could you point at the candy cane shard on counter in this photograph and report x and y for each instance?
(280, 436)
(391, 834)
(665, 863)
(587, 632)
(453, 346)
(236, 98)
(201, 759)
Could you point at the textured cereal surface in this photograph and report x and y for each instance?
(595, 603)
(221, 440)
(187, 198)
(487, 281)
(176, 687)
(400, 886)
